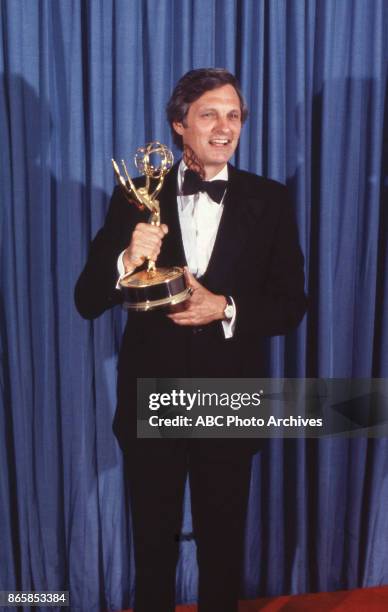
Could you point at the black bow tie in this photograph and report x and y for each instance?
(192, 183)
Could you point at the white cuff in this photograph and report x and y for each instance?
(120, 269)
(230, 324)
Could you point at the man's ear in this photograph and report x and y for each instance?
(178, 127)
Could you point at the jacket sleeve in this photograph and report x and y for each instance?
(95, 290)
(278, 305)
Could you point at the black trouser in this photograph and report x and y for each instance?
(219, 484)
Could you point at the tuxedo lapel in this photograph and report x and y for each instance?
(236, 226)
(172, 253)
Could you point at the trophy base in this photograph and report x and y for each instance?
(159, 288)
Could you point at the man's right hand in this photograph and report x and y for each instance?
(145, 244)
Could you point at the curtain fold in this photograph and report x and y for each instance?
(82, 82)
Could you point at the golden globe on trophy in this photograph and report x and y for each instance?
(153, 287)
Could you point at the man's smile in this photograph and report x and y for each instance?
(219, 141)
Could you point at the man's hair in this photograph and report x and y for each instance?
(192, 86)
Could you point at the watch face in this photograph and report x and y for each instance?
(228, 312)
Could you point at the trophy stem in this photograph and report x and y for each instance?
(153, 220)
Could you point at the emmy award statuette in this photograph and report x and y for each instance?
(153, 287)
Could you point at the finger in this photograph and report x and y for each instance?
(150, 243)
(138, 252)
(146, 229)
(151, 254)
(178, 320)
(187, 315)
(180, 307)
(180, 316)
(141, 235)
(190, 279)
(133, 260)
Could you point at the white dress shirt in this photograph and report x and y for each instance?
(199, 218)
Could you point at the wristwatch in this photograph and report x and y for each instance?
(229, 308)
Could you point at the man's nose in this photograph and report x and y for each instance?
(223, 123)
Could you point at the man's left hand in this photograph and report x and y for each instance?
(201, 308)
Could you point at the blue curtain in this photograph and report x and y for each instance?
(84, 81)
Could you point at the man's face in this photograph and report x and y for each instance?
(212, 127)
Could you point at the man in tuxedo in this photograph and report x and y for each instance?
(236, 235)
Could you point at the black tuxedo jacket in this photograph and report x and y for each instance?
(256, 259)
